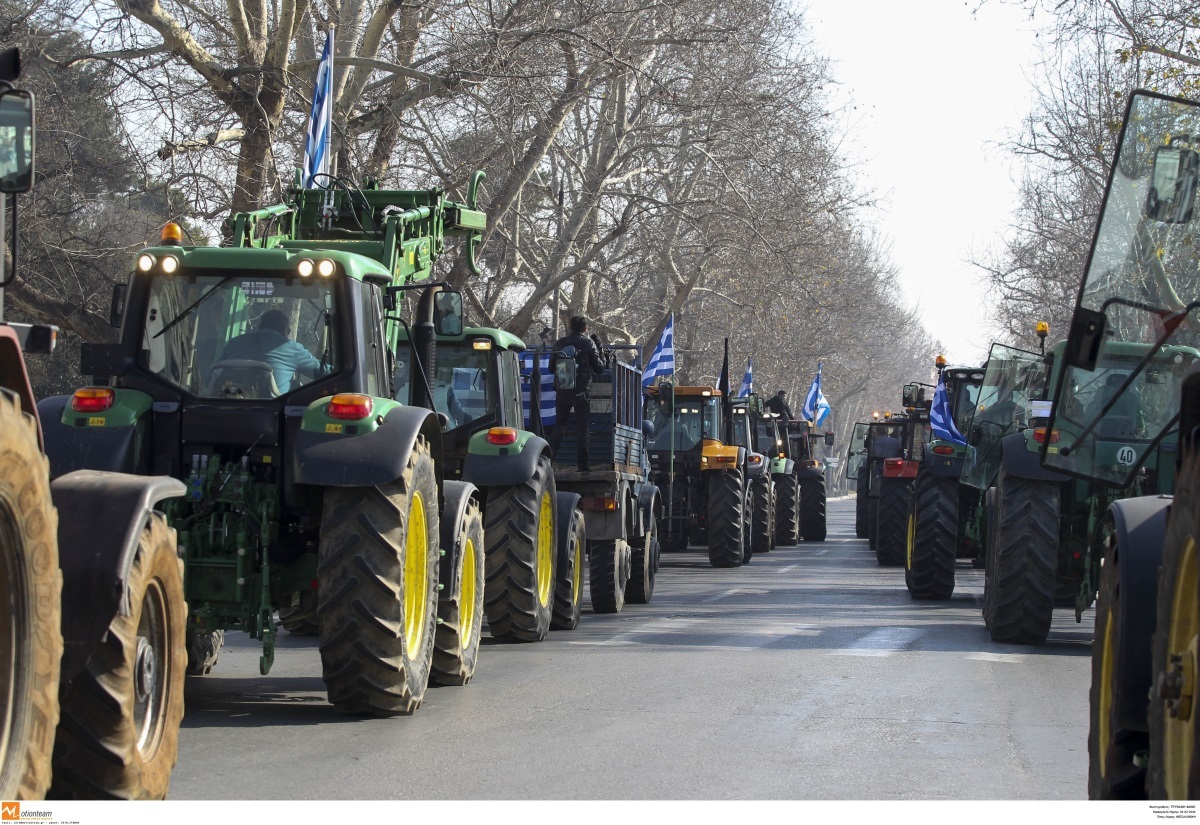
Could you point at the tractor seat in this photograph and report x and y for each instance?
(241, 378)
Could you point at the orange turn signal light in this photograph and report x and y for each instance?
(500, 436)
(93, 399)
(942, 449)
(1039, 435)
(349, 406)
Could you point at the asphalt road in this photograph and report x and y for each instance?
(808, 674)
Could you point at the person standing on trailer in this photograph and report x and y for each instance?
(588, 363)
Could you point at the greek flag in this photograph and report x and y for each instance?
(815, 406)
(941, 419)
(316, 142)
(747, 379)
(662, 360)
(545, 375)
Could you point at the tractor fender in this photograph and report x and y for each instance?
(456, 495)
(107, 449)
(508, 468)
(647, 507)
(370, 459)
(809, 472)
(1140, 530)
(789, 467)
(564, 505)
(100, 520)
(1018, 460)
(941, 465)
(756, 470)
(13, 375)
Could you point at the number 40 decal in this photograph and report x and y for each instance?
(1126, 455)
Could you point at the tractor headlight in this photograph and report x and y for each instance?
(325, 268)
(305, 268)
(145, 262)
(170, 264)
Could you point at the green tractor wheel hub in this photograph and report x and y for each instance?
(416, 575)
(545, 551)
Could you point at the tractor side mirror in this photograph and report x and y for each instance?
(1172, 194)
(116, 310)
(910, 395)
(16, 141)
(828, 439)
(448, 313)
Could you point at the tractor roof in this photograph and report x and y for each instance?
(498, 337)
(274, 261)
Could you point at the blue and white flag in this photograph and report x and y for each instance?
(545, 387)
(941, 418)
(662, 360)
(815, 406)
(747, 379)
(320, 119)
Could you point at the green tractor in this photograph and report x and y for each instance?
(880, 462)
(802, 439)
(940, 509)
(707, 498)
(871, 443)
(260, 378)
(755, 429)
(1126, 418)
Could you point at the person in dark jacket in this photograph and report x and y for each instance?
(587, 364)
(270, 344)
(779, 406)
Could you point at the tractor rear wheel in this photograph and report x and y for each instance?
(30, 623)
(747, 523)
(119, 733)
(891, 525)
(932, 543)
(725, 518)
(1173, 771)
(812, 509)
(763, 525)
(645, 567)
(203, 651)
(1018, 592)
(460, 603)
(568, 590)
(519, 528)
(1112, 773)
(861, 527)
(378, 566)
(608, 574)
(787, 510)
(301, 618)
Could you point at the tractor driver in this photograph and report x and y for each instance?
(270, 344)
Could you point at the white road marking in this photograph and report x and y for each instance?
(1011, 658)
(821, 552)
(882, 642)
(720, 596)
(788, 568)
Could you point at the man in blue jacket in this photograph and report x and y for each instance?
(271, 345)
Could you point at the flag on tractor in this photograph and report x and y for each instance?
(316, 142)
(537, 369)
(941, 418)
(747, 379)
(662, 360)
(816, 408)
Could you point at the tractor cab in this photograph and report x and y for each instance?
(688, 421)
(747, 413)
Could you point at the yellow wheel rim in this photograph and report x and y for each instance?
(416, 575)
(577, 574)
(1179, 727)
(467, 592)
(912, 534)
(1104, 711)
(545, 551)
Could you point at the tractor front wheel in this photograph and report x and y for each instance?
(119, 733)
(787, 510)
(891, 523)
(460, 603)
(932, 544)
(572, 552)
(763, 525)
(725, 518)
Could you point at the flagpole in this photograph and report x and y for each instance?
(332, 103)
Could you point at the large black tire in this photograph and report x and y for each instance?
(787, 510)
(872, 520)
(378, 567)
(301, 618)
(609, 565)
(203, 651)
(725, 518)
(1112, 773)
(119, 733)
(861, 527)
(763, 525)
(460, 603)
(572, 558)
(1173, 772)
(932, 543)
(891, 523)
(812, 509)
(1019, 579)
(519, 526)
(747, 523)
(644, 569)
(31, 618)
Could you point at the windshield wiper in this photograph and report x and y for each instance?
(189, 310)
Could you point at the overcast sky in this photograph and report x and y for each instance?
(936, 86)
